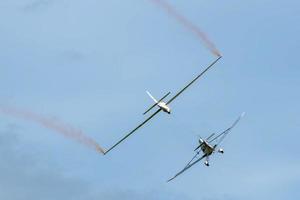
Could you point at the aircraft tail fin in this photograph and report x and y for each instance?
(152, 97)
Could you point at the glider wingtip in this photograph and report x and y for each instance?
(106, 151)
(101, 150)
(169, 180)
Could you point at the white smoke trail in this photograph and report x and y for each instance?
(55, 125)
(171, 11)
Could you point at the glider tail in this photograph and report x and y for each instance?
(152, 97)
(156, 102)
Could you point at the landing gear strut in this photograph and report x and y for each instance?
(221, 151)
(206, 163)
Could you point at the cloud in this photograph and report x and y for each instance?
(25, 176)
(274, 175)
(37, 5)
(71, 56)
(149, 195)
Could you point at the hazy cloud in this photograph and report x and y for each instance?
(37, 5)
(24, 176)
(72, 56)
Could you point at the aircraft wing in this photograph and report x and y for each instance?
(131, 132)
(189, 165)
(194, 80)
(222, 135)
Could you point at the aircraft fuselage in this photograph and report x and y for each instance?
(207, 149)
(164, 107)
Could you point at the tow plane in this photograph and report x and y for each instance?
(162, 105)
(208, 146)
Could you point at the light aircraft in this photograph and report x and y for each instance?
(162, 106)
(208, 148)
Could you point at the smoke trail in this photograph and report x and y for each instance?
(189, 25)
(55, 125)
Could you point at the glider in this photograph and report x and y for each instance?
(162, 106)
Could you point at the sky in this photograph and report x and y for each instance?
(89, 63)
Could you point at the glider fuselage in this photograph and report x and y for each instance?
(164, 107)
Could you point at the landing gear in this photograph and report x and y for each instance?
(206, 163)
(221, 151)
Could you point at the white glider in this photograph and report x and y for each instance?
(162, 106)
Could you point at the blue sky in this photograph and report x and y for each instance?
(89, 64)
